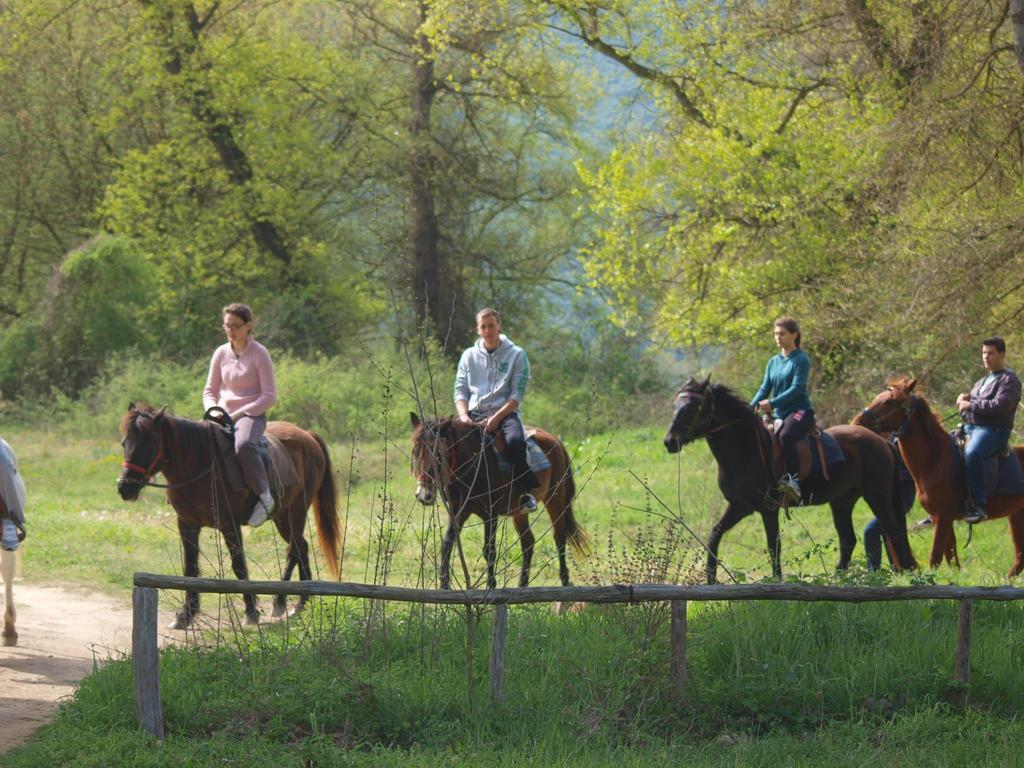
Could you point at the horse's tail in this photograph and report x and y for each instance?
(325, 507)
(578, 538)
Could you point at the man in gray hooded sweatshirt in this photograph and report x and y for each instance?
(489, 387)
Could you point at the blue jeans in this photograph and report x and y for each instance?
(982, 442)
(873, 532)
(873, 543)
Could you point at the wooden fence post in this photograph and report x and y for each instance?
(963, 651)
(498, 655)
(145, 659)
(678, 665)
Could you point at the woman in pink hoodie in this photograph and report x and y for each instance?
(241, 381)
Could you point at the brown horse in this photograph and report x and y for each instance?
(450, 456)
(185, 451)
(741, 445)
(928, 453)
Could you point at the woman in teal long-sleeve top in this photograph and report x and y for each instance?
(784, 394)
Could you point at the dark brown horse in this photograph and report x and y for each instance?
(741, 445)
(184, 450)
(449, 456)
(928, 453)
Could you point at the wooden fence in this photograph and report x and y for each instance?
(145, 599)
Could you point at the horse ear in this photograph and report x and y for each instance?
(706, 382)
(911, 385)
(160, 415)
(414, 419)
(131, 406)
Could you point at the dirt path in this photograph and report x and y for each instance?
(62, 629)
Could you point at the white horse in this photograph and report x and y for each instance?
(12, 532)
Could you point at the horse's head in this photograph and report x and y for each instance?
(891, 409)
(431, 463)
(143, 445)
(694, 411)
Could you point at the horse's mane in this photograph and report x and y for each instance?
(193, 436)
(732, 406)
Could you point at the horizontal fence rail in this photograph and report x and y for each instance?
(145, 600)
(615, 593)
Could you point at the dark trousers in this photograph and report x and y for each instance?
(248, 431)
(795, 428)
(515, 449)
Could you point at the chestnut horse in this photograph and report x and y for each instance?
(929, 455)
(185, 451)
(741, 445)
(449, 457)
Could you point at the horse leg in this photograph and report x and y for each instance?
(733, 514)
(770, 521)
(490, 549)
(526, 540)
(297, 555)
(299, 552)
(942, 540)
(842, 519)
(1017, 534)
(447, 542)
(233, 540)
(7, 562)
(190, 567)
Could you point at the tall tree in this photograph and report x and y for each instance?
(484, 169)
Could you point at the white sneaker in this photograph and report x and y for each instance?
(264, 508)
(789, 486)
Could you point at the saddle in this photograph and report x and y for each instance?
(535, 456)
(1004, 475)
(816, 452)
(279, 465)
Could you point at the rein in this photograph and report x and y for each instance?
(154, 469)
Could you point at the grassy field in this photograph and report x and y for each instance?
(354, 684)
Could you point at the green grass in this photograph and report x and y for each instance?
(770, 684)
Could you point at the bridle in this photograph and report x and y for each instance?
(146, 472)
(909, 407)
(702, 397)
(159, 458)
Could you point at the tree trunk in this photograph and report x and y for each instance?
(1017, 19)
(217, 126)
(437, 298)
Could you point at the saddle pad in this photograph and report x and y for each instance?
(1009, 479)
(833, 453)
(280, 469)
(536, 458)
(1004, 475)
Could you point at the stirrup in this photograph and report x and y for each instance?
(975, 514)
(526, 501)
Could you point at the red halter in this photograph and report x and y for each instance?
(157, 458)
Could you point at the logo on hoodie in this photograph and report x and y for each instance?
(503, 367)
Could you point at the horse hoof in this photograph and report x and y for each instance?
(10, 639)
(180, 622)
(252, 619)
(279, 611)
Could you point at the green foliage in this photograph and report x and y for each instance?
(92, 311)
